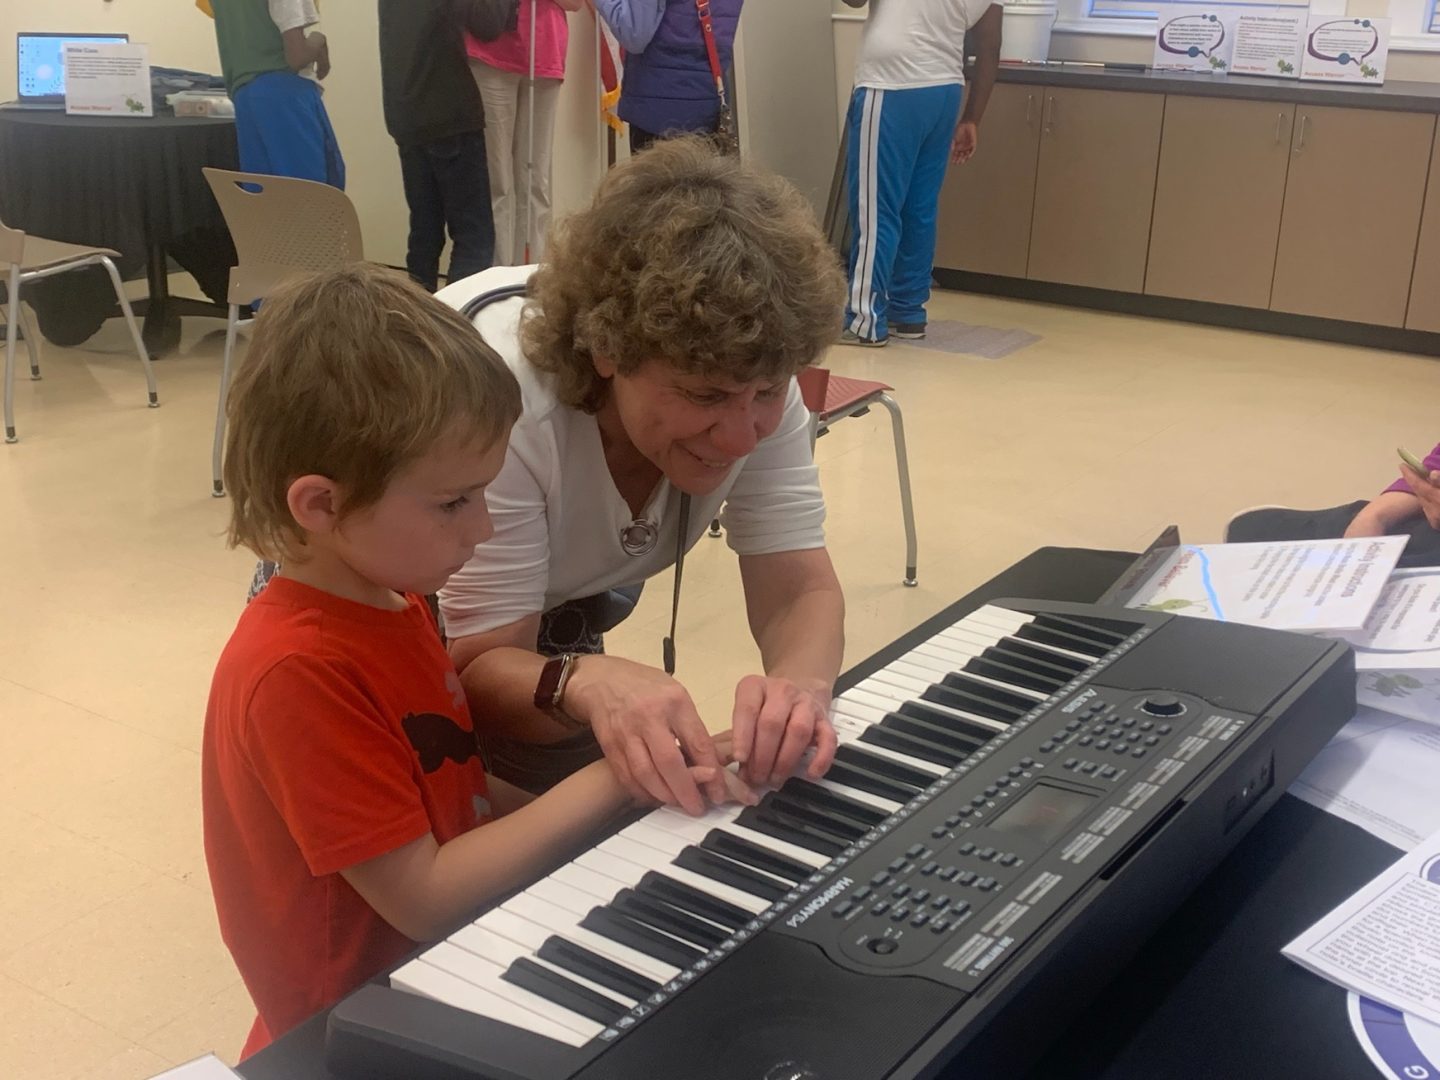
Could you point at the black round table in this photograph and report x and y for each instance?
(131, 184)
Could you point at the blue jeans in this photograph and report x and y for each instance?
(447, 185)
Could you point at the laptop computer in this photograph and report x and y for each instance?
(40, 66)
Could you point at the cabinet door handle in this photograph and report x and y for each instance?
(1304, 131)
(1029, 108)
(1279, 126)
(1049, 114)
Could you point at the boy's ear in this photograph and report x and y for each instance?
(314, 502)
(603, 366)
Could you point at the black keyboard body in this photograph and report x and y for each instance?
(1058, 847)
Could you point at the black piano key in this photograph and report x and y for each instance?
(998, 694)
(731, 873)
(975, 704)
(556, 988)
(672, 920)
(753, 855)
(926, 712)
(797, 787)
(598, 969)
(792, 831)
(832, 825)
(903, 743)
(625, 930)
(1040, 669)
(686, 898)
(868, 782)
(1108, 639)
(850, 754)
(994, 666)
(1073, 665)
(961, 743)
(1046, 636)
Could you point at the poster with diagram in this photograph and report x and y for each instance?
(1190, 38)
(1348, 49)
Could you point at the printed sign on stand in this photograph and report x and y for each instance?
(1346, 49)
(1269, 43)
(108, 80)
(1194, 39)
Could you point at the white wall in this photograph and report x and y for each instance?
(180, 36)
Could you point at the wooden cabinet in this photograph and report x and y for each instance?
(1218, 200)
(1352, 213)
(1095, 187)
(985, 205)
(1424, 312)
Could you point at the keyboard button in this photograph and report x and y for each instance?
(840, 910)
(914, 851)
(880, 908)
(940, 903)
(1103, 744)
(920, 919)
(900, 913)
(939, 926)
(861, 894)
(966, 848)
(900, 892)
(986, 853)
(966, 877)
(986, 883)
(1008, 859)
(947, 873)
(929, 868)
(919, 896)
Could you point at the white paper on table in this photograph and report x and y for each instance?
(108, 80)
(1403, 629)
(1193, 38)
(1382, 773)
(1285, 585)
(1402, 1047)
(208, 1067)
(1269, 42)
(1384, 942)
(1413, 694)
(1347, 48)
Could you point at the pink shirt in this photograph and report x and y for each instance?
(511, 52)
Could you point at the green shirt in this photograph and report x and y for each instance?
(250, 42)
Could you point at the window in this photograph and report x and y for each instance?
(1146, 9)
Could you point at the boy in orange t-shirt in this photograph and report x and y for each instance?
(342, 782)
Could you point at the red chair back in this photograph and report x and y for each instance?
(814, 383)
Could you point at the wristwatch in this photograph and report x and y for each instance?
(550, 690)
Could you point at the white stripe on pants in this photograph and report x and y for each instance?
(867, 197)
(507, 143)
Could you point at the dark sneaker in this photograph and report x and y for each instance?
(849, 337)
(911, 331)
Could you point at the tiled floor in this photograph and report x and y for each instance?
(117, 593)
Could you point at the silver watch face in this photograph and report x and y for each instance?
(639, 537)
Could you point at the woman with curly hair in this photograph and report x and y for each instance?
(656, 349)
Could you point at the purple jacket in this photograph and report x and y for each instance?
(667, 84)
(1432, 463)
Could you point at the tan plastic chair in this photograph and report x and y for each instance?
(29, 258)
(281, 227)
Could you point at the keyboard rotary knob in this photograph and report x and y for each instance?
(1162, 705)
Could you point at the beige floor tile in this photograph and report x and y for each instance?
(132, 1063)
(41, 1039)
(131, 965)
(218, 1025)
(55, 877)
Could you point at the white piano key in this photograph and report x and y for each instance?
(718, 889)
(868, 695)
(554, 891)
(889, 806)
(501, 950)
(559, 922)
(908, 684)
(918, 670)
(426, 980)
(486, 974)
(993, 615)
(587, 882)
(626, 848)
(859, 710)
(969, 642)
(695, 830)
(942, 654)
(622, 871)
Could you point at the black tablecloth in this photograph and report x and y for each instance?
(133, 185)
(1209, 997)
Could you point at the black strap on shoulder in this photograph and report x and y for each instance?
(680, 537)
(477, 304)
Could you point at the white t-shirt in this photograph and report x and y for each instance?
(913, 43)
(558, 515)
(296, 15)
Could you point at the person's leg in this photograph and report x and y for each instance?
(500, 92)
(1282, 523)
(462, 173)
(534, 183)
(640, 139)
(424, 193)
(884, 141)
(915, 256)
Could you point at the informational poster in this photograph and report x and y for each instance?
(1348, 49)
(108, 80)
(1413, 693)
(1191, 38)
(1314, 585)
(1402, 631)
(1269, 43)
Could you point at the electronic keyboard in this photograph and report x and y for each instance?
(1016, 803)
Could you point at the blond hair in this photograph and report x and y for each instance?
(351, 374)
(685, 256)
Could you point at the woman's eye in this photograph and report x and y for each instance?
(770, 393)
(455, 504)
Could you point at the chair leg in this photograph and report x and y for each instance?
(32, 343)
(907, 508)
(12, 326)
(140, 349)
(232, 325)
(714, 526)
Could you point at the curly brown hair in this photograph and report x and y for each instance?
(688, 257)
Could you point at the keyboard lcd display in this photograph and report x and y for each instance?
(1043, 814)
